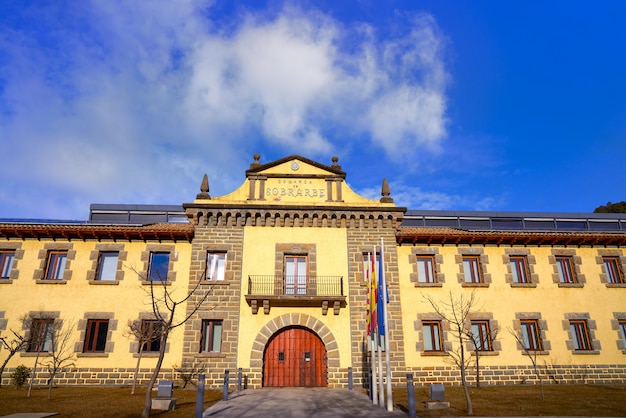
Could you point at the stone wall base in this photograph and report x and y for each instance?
(338, 377)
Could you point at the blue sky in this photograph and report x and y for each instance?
(461, 105)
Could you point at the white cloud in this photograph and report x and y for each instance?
(134, 101)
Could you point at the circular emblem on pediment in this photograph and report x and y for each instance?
(295, 166)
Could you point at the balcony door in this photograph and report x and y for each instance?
(295, 357)
(295, 274)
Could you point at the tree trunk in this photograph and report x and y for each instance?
(468, 399)
(147, 405)
(132, 391)
(477, 369)
(4, 364)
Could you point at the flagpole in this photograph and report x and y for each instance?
(381, 390)
(371, 333)
(387, 354)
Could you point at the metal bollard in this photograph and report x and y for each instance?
(411, 395)
(200, 396)
(239, 376)
(225, 394)
(350, 378)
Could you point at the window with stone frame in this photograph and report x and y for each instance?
(520, 264)
(96, 336)
(566, 265)
(482, 335)
(159, 266)
(581, 332)
(613, 270)
(107, 261)
(530, 332)
(296, 264)
(6, 263)
(618, 324)
(55, 266)
(216, 266)
(530, 335)
(425, 262)
(41, 334)
(433, 337)
(151, 335)
(211, 336)
(159, 263)
(96, 330)
(473, 267)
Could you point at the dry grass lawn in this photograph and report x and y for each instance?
(97, 402)
(561, 400)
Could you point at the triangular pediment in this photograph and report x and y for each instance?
(294, 181)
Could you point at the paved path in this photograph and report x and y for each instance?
(298, 403)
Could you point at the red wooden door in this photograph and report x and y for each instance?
(295, 357)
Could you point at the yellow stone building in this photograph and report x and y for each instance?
(281, 262)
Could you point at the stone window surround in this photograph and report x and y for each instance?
(531, 261)
(579, 278)
(543, 327)
(484, 262)
(446, 344)
(308, 250)
(622, 264)
(158, 248)
(496, 345)
(197, 330)
(134, 345)
(591, 328)
(439, 277)
(619, 317)
(27, 325)
(360, 254)
(95, 257)
(18, 255)
(204, 250)
(42, 255)
(82, 327)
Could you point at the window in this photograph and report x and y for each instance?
(151, 335)
(41, 331)
(519, 269)
(425, 268)
(622, 329)
(481, 335)
(56, 265)
(295, 275)
(211, 336)
(565, 268)
(612, 269)
(580, 335)
(6, 263)
(159, 267)
(471, 269)
(531, 337)
(215, 265)
(96, 335)
(432, 336)
(107, 265)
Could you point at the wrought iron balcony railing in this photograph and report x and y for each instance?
(295, 286)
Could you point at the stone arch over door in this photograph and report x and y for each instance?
(296, 320)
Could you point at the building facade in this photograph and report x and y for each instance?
(276, 273)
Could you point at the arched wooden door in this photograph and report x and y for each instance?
(294, 357)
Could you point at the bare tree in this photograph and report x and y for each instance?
(144, 336)
(61, 353)
(164, 306)
(532, 356)
(189, 371)
(456, 311)
(41, 329)
(481, 344)
(13, 345)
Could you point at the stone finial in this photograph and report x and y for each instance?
(385, 193)
(204, 189)
(256, 162)
(336, 166)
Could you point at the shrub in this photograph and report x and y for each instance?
(20, 375)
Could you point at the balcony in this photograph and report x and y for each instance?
(307, 291)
